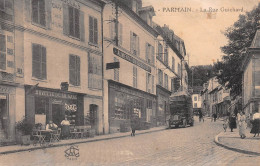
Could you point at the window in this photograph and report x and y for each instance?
(166, 81)
(94, 71)
(195, 98)
(149, 83)
(173, 64)
(149, 53)
(166, 56)
(38, 12)
(179, 69)
(195, 105)
(39, 61)
(135, 77)
(116, 71)
(160, 51)
(6, 10)
(93, 30)
(2, 52)
(160, 77)
(74, 70)
(172, 85)
(134, 44)
(73, 22)
(42, 105)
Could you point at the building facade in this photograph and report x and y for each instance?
(130, 40)
(251, 77)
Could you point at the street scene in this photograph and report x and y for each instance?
(186, 146)
(129, 82)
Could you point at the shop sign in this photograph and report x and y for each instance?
(131, 59)
(55, 94)
(71, 107)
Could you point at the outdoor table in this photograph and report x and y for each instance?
(46, 133)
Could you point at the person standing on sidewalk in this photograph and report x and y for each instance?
(232, 122)
(256, 124)
(242, 125)
(133, 125)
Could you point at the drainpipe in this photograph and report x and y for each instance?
(102, 62)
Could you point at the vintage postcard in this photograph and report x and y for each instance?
(129, 82)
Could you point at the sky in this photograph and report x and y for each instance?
(202, 33)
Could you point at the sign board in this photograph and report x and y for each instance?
(114, 65)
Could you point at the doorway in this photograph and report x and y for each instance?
(57, 114)
(3, 117)
(93, 110)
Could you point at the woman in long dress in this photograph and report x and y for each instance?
(242, 125)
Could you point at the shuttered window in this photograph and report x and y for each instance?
(74, 70)
(2, 52)
(173, 64)
(135, 77)
(38, 12)
(149, 53)
(93, 30)
(94, 71)
(73, 22)
(134, 44)
(39, 61)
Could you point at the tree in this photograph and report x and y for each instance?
(240, 36)
(197, 75)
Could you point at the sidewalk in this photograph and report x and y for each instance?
(19, 148)
(232, 141)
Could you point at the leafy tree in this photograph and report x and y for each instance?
(198, 75)
(240, 36)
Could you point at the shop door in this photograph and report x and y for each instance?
(57, 114)
(93, 115)
(3, 118)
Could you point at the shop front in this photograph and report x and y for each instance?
(163, 112)
(7, 114)
(126, 102)
(44, 105)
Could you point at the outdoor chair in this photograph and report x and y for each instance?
(56, 135)
(38, 138)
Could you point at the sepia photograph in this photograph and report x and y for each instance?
(129, 82)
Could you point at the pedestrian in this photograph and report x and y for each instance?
(201, 116)
(242, 125)
(232, 122)
(215, 117)
(65, 128)
(133, 125)
(256, 124)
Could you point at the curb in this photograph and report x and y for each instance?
(234, 149)
(73, 143)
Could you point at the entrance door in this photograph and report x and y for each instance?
(3, 117)
(93, 115)
(57, 114)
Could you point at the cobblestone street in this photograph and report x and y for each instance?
(183, 146)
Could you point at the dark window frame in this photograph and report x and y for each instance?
(39, 12)
(74, 70)
(41, 63)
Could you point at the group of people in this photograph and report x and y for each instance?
(240, 121)
(65, 128)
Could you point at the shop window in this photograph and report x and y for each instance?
(2, 52)
(39, 69)
(135, 77)
(93, 30)
(134, 44)
(3, 117)
(73, 22)
(94, 71)
(74, 70)
(38, 12)
(42, 105)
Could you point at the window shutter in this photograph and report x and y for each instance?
(48, 7)
(152, 54)
(147, 81)
(137, 46)
(27, 10)
(72, 69)
(66, 19)
(91, 30)
(82, 26)
(152, 84)
(131, 42)
(146, 52)
(43, 63)
(120, 34)
(95, 31)
(78, 70)
(36, 58)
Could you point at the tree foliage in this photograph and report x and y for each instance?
(240, 36)
(198, 75)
